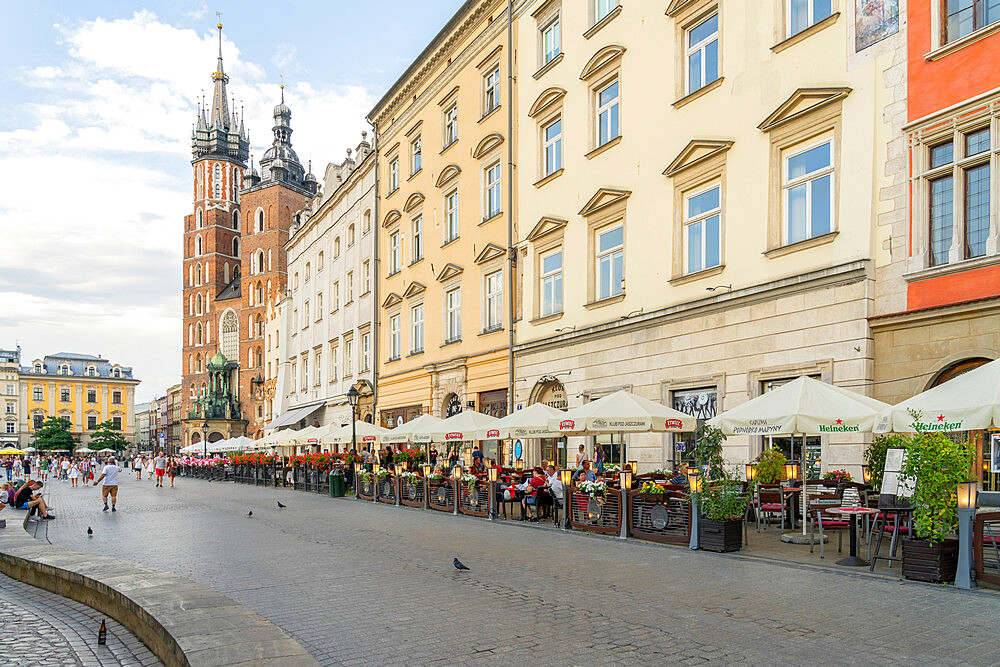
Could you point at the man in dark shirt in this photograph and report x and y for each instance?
(26, 498)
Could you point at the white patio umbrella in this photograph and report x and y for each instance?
(365, 432)
(802, 407)
(621, 412)
(405, 434)
(531, 422)
(326, 434)
(968, 402)
(304, 435)
(82, 450)
(466, 425)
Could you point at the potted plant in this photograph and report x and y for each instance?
(595, 489)
(938, 464)
(875, 455)
(723, 506)
(652, 491)
(770, 467)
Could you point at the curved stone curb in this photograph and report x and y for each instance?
(182, 623)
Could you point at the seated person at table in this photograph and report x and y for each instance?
(477, 467)
(27, 499)
(531, 493)
(584, 470)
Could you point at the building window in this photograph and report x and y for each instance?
(320, 261)
(602, 8)
(551, 283)
(92, 396)
(64, 395)
(11, 428)
(702, 239)
(308, 271)
(91, 371)
(551, 41)
(197, 246)
(348, 358)
(393, 175)
(703, 53)
(552, 146)
(336, 296)
(305, 314)
(350, 235)
(366, 352)
(217, 180)
(700, 404)
(491, 197)
(607, 114)
(610, 262)
(415, 156)
(349, 296)
(417, 328)
(305, 372)
(236, 248)
(319, 368)
(395, 253)
(964, 17)
(259, 222)
(491, 90)
(493, 305)
(10, 407)
(91, 422)
(451, 125)
(453, 315)
(804, 13)
(336, 247)
(37, 394)
(394, 335)
(808, 186)
(418, 239)
(972, 172)
(116, 423)
(236, 220)
(366, 222)
(366, 278)
(116, 398)
(333, 362)
(37, 420)
(198, 219)
(451, 216)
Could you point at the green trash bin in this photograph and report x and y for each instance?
(337, 483)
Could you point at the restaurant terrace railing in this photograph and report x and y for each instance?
(986, 547)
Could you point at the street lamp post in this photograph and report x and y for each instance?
(494, 476)
(566, 478)
(967, 497)
(625, 480)
(204, 437)
(352, 398)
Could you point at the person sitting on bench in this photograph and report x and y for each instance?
(27, 499)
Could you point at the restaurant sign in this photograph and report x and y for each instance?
(493, 433)
(454, 435)
(567, 425)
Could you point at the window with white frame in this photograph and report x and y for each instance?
(305, 372)
(333, 362)
(393, 174)
(294, 378)
(958, 183)
(550, 283)
(395, 253)
(394, 337)
(702, 229)
(602, 8)
(551, 40)
(417, 250)
(607, 113)
(336, 296)
(610, 259)
(552, 147)
(493, 301)
(808, 191)
(348, 357)
(416, 155)
(804, 13)
(417, 328)
(217, 180)
(491, 194)
(702, 53)
(451, 216)
(366, 277)
(349, 294)
(366, 352)
(491, 90)
(451, 125)
(318, 365)
(453, 314)
(963, 17)
(36, 393)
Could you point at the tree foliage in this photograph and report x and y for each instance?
(55, 434)
(875, 455)
(108, 437)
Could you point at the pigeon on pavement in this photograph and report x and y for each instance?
(250, 514)
(280, 505)
(90, 531)
(459, 565)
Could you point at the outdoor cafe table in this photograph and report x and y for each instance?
(854, 513)
(789, 499)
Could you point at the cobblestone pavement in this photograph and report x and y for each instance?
(39, 628)
(358, 583)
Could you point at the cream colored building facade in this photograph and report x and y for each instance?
(323, 343)
(698, 194)
(443, 223)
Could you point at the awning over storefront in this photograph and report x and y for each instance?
(293, 416)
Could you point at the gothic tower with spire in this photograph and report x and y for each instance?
(273, 201)
(212, 256)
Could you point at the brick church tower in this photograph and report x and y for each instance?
(220, 148)
(272, 201)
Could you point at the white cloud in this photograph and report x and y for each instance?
(96, 184)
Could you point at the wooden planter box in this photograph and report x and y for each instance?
(386, 487)
(923, 561)
(412, 494)
(474, 501)
(660, 517)
(720, 536)
(597, 514)
(441, 496)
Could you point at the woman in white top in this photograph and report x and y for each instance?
(74, 473)
(137, 466)
(149, 468)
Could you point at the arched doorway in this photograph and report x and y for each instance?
(552, 393)
(452, 406)
(987, 443)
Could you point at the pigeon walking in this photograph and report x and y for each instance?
(280, 505)
(90, 531)
(250, 514)
(459, 565)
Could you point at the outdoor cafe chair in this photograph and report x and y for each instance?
(769, 503)
(820, 518)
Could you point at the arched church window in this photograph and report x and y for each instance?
(229, 343)
(197, 246)
(198, 219)
(217, 180)
(197, 305)
(236, 247)
(236, 220)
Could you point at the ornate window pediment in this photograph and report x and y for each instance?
(603, 198)
(413, 289)
(449, 271)
(413, 201)
(390, 217)
(488, 143)
(548, 97)
(546, 226)
(802, 101)
(391, 300)
(603, 57)
(675, 6)
(696, 152)
(448, 173)
(489, 251)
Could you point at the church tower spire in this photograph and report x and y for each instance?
(220, 108)
(219, 135)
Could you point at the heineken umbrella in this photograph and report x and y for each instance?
(802, 407)
(365, 432)
(968, 402)
(404, 434)
(466, 425)
(531, 422)
(621, 412)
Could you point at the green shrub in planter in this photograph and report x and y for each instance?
(770, 467)
(875, 455)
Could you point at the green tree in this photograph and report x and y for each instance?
(55, 434)
(108, 437)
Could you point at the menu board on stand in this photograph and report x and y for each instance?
(897, 488)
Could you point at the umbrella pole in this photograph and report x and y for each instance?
(802, 473)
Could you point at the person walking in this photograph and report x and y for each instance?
(65, 468)
(43, 468)
(8, 465)
(159, 467)
(26, 466)
(149, 468)
(85, 470)
(17, 468)
(137, 466)
(171, 470)
(110, 487)
(74, 473)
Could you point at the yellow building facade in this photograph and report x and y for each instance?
(87, 390)
(443, 275)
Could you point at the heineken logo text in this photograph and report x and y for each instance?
(823, 428)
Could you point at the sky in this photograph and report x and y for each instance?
(95, 147)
